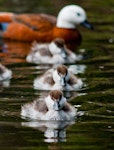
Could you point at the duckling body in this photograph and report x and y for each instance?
(53, 107)
(55, 52)
(44, 27)
(58, 78)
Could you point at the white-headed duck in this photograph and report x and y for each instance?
(45, 27)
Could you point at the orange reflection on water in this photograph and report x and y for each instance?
(13, 51)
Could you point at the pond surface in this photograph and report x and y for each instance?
(94, 129)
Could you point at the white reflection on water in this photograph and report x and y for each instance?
(5, 83)
(76, 69)
(54, 131)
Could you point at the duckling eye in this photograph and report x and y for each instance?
(78, 14)
(59, 73)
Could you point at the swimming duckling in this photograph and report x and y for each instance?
(53, 107)
(55, 52)
(58, 78)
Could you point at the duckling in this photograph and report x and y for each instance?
(55, 52)
(53, 107)
(58, 78)
(5, 73)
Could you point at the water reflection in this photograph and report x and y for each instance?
(5, 83)
(77, 68)
(54, 131)
(13, 52)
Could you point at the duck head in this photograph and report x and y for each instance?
(71, 16)
(61, 75)
(55, 100)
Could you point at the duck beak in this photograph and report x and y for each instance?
(56, 106)
(87, 25)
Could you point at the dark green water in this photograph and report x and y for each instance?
(95, 129)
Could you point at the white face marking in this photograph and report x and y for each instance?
(56, 77)
(54, 49)
(70, 16)
(60, 78)
(58, 104)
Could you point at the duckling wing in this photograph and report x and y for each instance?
(66, 107)
(40, 106)
(69, 109)
(45, 81)
(48, 77)
(75, 82)
(72, 80)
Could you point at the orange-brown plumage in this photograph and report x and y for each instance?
(29, 28)
(40, 28)
(72, 37)
(6, 17)
(43, 27)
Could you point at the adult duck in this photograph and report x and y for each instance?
(44, 27)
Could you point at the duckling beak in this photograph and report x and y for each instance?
(87, 25)
(56, 106)
(63, 82)
(64, 54)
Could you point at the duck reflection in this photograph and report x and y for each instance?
(4, 84)
(13, 51)
(54, 131)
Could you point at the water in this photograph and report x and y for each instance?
(93, 130)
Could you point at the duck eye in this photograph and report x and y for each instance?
(78, 14)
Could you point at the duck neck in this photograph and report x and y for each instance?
(65, 24)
